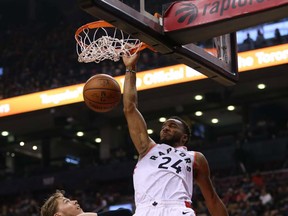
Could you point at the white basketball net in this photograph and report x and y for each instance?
(96, 45)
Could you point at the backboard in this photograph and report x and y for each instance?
(180, 37)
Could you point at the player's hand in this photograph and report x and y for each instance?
(131, 61)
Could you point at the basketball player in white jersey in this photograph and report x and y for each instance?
(165, 172)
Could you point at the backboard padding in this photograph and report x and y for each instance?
(206, 19)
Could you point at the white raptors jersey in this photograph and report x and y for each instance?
(164, 173)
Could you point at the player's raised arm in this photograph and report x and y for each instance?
(203, 180)
(136, 123)
(88, 214)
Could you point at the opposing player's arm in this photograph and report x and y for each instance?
(136, 123)
(203, 180)
(88, 214)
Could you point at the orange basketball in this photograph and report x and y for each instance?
(101, 93)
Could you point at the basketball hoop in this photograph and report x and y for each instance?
(98, 41)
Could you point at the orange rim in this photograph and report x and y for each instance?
(93, 25)
(103, 24)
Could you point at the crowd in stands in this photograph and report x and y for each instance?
(39, 60)
(44, 58)
(37, 55)
(260, 41)
(258, 194)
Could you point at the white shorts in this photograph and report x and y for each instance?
(164, 208)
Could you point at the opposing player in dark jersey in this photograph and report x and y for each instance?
(165, 172)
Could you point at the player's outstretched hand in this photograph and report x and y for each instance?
(131, 61)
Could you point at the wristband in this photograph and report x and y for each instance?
(130, 70)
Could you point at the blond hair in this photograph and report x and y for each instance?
(50, 207)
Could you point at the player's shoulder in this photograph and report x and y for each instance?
(192, 153)
(199, 154)
(200, 159)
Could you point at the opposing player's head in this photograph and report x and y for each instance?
(58, 205)
(175, 132)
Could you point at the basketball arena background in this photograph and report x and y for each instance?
(58, 143)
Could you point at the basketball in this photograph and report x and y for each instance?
(101, 93)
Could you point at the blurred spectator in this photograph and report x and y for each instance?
(100, 203)
(253, 197)
(260, 40)
(265, 197)
(241, 195)
(240, 156)
(229, 197)
(258, 180)
(249, 42)
(277, 37)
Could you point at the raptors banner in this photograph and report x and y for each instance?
(194, 20)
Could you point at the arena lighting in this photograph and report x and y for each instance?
(231, 108)
(98, 140)
(214, 120)
(80, 133)
(150, 131)
(261, 86)
(198, 113)
(21, 143)
(4, 133)
(34, 147)
(162, 119)
(198, 97)
(247, 61)
(72, 160)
